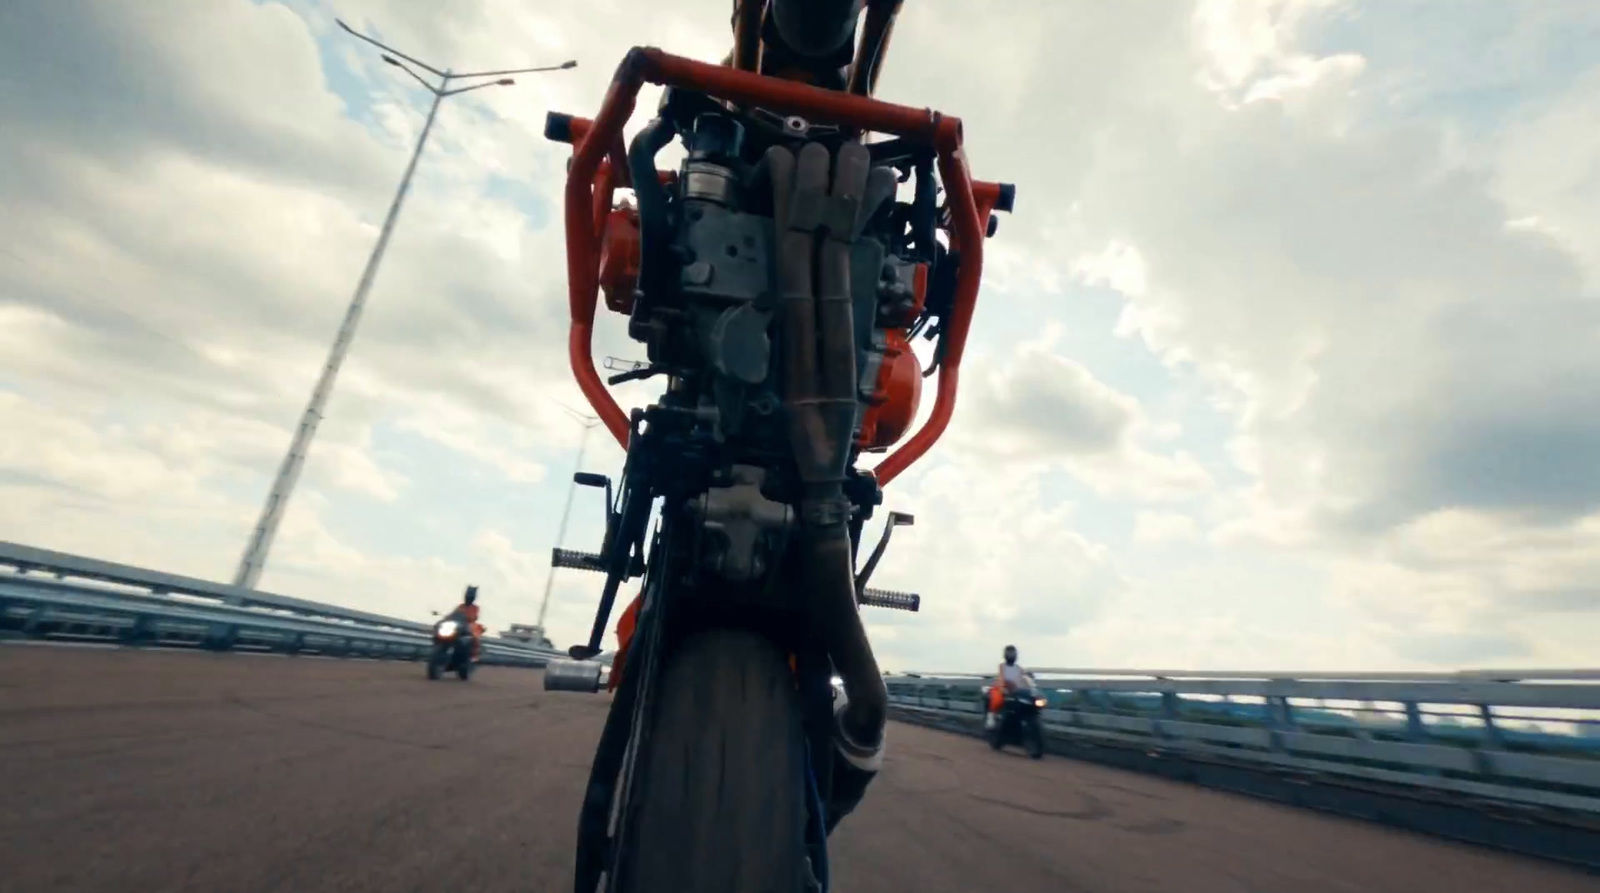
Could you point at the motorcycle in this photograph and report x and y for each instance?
(1019, 721)
(777, 279)
(454, 639)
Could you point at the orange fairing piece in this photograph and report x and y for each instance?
(896, 397)
(625, 625)
(897, 393)
(597, 168)
(619, 259)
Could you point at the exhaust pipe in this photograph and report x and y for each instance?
(573, 675)
(820, 400)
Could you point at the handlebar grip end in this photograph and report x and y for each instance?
(558, 127)
(1008, 197)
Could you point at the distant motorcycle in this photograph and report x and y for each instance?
(1020, 721)
(454, 639)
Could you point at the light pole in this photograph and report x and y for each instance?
(255, 552)
(589, 422)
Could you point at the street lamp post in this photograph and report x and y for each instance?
(255, 554)
(589, 422)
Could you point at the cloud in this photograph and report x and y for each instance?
(1046, 408)
(1051, 405)
(1249, 53)
(236, 83)
(1547, 165)
(992, 560)
(1393, 348)
(1155, 528)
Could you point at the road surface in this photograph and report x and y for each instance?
(135, 772)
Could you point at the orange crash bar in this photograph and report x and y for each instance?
(601, 136)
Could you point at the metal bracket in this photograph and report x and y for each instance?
(742, 522)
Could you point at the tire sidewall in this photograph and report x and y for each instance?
(720, 798)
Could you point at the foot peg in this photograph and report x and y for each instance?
(577, 560)
(888, 598)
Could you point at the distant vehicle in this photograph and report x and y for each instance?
(454, 645)
(529, 633)
(1019, 721)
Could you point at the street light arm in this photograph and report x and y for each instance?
(420, 79)
(467, 89)
(579, 416)
(571, 63)
(390, 49)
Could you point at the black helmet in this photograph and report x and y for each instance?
(1011, 654)
(472, 594)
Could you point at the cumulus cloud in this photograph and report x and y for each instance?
(1042, 407)
(1155, 528)
(234, 83)
(991, 560)
(1392, 347)
(1546, 169)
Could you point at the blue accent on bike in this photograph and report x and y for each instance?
(819, 825)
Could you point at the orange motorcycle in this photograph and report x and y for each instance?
(777, 278)
(455, 646)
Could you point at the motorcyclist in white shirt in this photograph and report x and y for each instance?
(1010, 676)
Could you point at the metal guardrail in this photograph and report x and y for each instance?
(56, 595)
(1524, 739)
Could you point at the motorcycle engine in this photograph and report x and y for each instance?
(692, 264)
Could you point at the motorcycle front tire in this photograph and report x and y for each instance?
(720, 793)
(435, 663)
(1035, 736)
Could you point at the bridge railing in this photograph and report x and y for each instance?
(46, 594)
(1529, 739)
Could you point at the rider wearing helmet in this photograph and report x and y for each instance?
(469, 604)
(1009, 677)
(469, 609)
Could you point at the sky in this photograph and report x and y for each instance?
(1286, 360)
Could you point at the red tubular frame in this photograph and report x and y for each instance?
(593, 176)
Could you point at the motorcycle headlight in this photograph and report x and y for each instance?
(1039, 702)
(446, 629)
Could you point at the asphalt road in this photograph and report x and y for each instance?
(134, 771)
